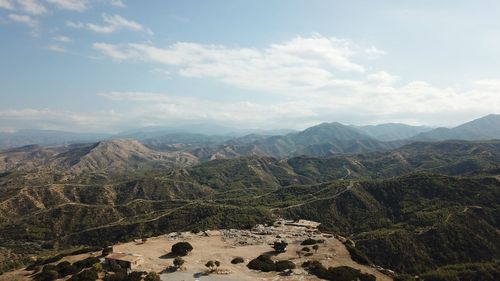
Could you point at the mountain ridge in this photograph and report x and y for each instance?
(486, 127)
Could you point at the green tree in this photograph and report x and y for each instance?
(210, 265)
(237, 260)
(178, 262)
(181, 248)
(315, 247)
(107, 250)
(134, 276)
(152, 276)
(97, 267)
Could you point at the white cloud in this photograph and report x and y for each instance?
(117, 3)
(308, 80)
(160, 108)
(62, 39)
(24, 19)
(415, 103)
(32, 7)
(6, 4)
(50, 119)
(298, 64)
(489, 84)
(56, 48)
(111, 24)
(73, 24)
(71, 5)
(310, 72)
(382, 78)
(111, 51)
(374, 52)
(358, 102)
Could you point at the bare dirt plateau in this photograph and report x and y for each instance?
(224, 245)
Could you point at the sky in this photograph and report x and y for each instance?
(114, 65)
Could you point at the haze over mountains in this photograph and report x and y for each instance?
(487, 127)
(333, 137)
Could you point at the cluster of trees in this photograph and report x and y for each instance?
(212, 265)
(306, 251)
(56, 258)
(485, 271)
(52, 272)
(341, 273)
(266, 264)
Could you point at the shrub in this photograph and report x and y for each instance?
(115, 267)
(280, 246)
(152, 276)
(306, 264)
(178, 262)
(237, 260)
(47, 275)
(119, 276)
(97, 267)
(87, 275)
(404, 277)
(49, 267)
(85, 250)
(357, 255)
(306, 249)
(65, 268)
(262, 263)
(315, 247)
(284, 265)
(210, 265)
(182, 248)
(63, 264)
(51, 259)
(70, 270)
(134, 276)
(341, 273)
(367, 277)
(309, 241)
(316, 268)
(107, 250)
(87, 262)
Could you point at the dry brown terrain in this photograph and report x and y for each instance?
(224, 245)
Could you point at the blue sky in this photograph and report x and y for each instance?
(109, 65)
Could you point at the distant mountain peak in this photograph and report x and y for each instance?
(484, 128)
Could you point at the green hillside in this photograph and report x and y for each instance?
(419, 209)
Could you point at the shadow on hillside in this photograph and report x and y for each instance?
(200, 274)
(271, 253)
(169, 256)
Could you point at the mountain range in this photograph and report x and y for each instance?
(485, 128)
(327, 137)
(419, 205)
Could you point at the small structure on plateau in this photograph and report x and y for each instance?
(124, 260)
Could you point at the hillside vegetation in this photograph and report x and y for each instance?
(420, 209)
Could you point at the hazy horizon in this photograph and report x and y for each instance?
(111, 66)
